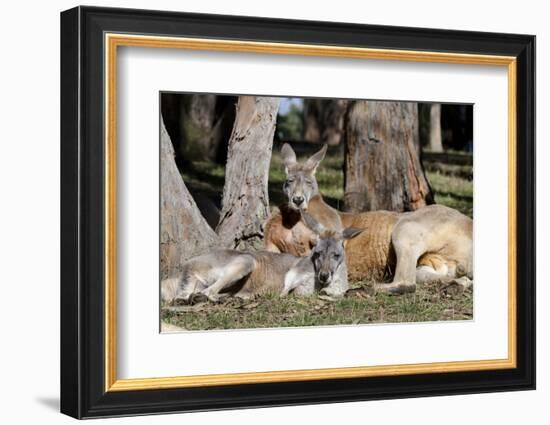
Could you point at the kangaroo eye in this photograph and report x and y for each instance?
(336, 256)
(290, 180)
(309, 182)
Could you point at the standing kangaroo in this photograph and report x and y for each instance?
(246, 274)
(431, 244)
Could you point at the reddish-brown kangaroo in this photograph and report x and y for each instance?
(431, 244)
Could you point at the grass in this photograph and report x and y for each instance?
(428, 303)
(451, 183)
(452, 191)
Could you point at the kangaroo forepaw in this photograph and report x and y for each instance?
(331, 292)
(360, 292)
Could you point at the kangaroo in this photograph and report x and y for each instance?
(246, 274)
(431, 244)
(328, 257)
(286, 231)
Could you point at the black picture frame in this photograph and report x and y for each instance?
(83, 392)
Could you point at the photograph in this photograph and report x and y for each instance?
(264, 211)
(300, 211)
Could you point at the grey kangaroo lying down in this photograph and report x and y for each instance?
(246, 274)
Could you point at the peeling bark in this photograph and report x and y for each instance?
(184, 232)
(245, 203)
(382, 168)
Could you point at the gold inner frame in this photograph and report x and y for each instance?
(113, 41)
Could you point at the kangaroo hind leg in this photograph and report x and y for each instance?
(193, 284)
(457, 286)
(236, 269)
(436, 270)
(433, 268)
(407, 251)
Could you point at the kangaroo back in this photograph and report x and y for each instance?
(269, 273)
(370, 255)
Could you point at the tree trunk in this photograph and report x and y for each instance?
(198, 121)
(245, 203)
(333, 121)
(324, 120)
(312, 119)
(435, 128)
(382, 168)
(184, 232)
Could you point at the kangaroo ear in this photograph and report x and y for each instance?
(289, 157)
(313, 224)
(351, 232)
(313, 162)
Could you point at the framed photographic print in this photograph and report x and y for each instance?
(261, 212)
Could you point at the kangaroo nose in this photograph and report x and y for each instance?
(323, 277)
(298, 200)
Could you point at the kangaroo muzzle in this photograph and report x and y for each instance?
(324, 277)
(298, 200)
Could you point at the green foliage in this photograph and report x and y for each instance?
(291, 125)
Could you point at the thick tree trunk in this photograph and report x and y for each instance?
(324, 120)
(435, 128)
(198, 124)
(333, 121)
(312, 119)
(184, 233)
(382, 169)
(245, 203)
